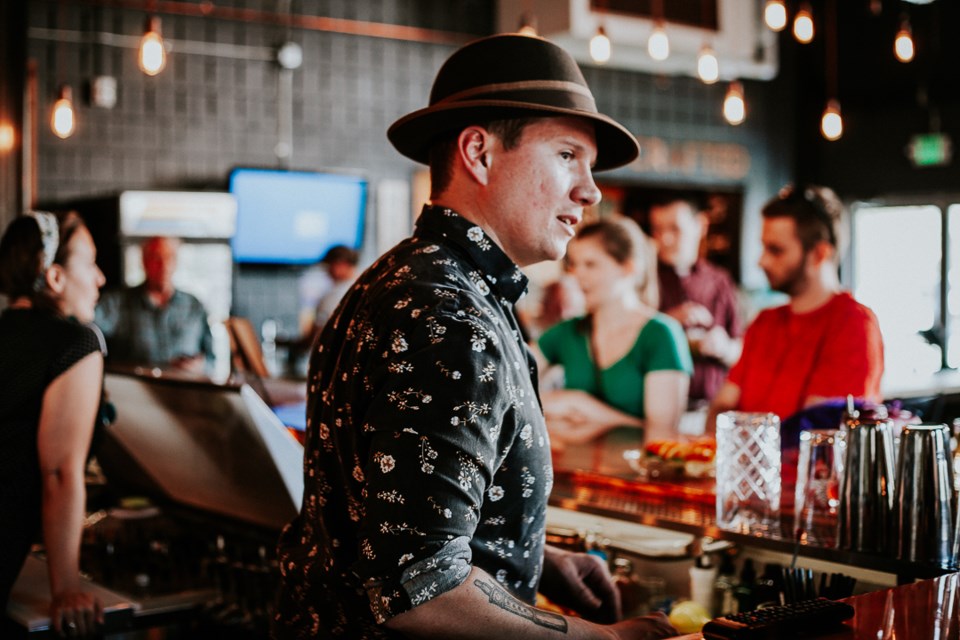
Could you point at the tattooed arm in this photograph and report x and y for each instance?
(481, 608)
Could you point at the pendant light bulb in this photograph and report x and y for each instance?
(775, 15)
(8, 137)
(831, 124)
(708, 67)
(658, 46)
(734, 106)
(63, 122)
(903, 44)
(803, 24)
(600, 46)
(152, 54)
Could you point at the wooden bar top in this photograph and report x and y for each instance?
(596, 478)
(924, 610)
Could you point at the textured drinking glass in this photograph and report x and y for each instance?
(819, 476)
(748, 471)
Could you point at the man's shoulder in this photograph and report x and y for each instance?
(411, 281)
(186, 299)
(845, 300)
(774, 314)
(713, 273)
(849, 307)
(185, 295)
(415, 263)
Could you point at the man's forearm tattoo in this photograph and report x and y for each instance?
(500, 597)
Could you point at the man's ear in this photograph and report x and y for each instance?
(473, 147)
(823, 252)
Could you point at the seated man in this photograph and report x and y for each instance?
(341, 262)
(155, 324)
(822, 344)
(698, 294)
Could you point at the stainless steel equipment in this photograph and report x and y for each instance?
(200, 478)
(867, 494)
(924, 500)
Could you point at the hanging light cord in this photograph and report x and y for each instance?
(831, 54)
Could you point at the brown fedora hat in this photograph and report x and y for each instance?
(509, 76)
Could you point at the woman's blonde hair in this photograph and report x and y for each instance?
(623, 240)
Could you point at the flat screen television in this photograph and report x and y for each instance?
(294, 217)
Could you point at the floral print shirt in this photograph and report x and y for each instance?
(426, 449)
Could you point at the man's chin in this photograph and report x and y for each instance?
(783, 288)
(558, 251)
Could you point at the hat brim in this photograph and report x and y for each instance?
(414, 134)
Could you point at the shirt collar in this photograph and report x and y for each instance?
(499, 270)
(695, 267)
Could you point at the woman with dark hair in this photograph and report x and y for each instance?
(51, 377)
(625, 364)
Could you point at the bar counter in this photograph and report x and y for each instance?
(925, 610)
(596, 479)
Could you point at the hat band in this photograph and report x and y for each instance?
(562, 86)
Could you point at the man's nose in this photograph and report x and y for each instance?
(588, 193)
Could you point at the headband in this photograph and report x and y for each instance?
(49, 235)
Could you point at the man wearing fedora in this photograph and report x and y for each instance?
(427, 462)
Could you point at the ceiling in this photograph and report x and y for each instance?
(863, 69)
(860, 68)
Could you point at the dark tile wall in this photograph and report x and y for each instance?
(209, 110)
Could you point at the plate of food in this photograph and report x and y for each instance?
(673, 459)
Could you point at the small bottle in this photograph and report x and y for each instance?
(743, 592)
(634, 599)
(769, 585)
(955, 447)
(702, 576)
(723, 586)
(268, 346)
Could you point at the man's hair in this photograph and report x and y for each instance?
(341, 253)
(695, 200)
(444, 149)
(623, 239)
(816, 211)
(22, 274)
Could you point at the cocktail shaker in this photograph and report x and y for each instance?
(867, 495)
(924, 510)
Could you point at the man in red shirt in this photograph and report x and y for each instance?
(823, 344)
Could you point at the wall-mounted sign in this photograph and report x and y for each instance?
(692, 159)
(930, 150)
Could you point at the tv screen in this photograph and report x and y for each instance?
(293, 217)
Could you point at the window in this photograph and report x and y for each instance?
(898, 270)
(953, 287)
